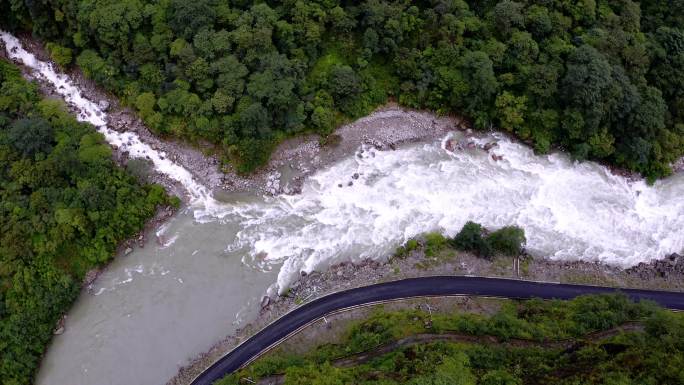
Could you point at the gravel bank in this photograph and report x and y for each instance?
(296, 158)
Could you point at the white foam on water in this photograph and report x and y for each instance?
(170, 241)
(569, 210)
(89, 111)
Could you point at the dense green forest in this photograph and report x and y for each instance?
(527, 342)
(602, 79)
(64, 207)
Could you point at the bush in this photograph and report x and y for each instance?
(470, 239)
(509, 241)
(408, 247)
(60, 55)
(251, 153)
(434, 242)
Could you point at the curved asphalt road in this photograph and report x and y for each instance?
(414, 287)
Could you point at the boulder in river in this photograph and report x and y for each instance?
(265, 301)
(60, 328)
(489, 146)
(103, 104)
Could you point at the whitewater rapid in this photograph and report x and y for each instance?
(368, 204)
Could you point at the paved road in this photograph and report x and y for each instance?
(415, 287)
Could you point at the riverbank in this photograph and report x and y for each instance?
(667, 274)
(291, 162)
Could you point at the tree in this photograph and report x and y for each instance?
(344, 85)
(602, 94)
(478, 74)
(323, 119)
(511, 111)
(521, 50)
(538, 21)
(61, 55)
(509, 241)
(507, 16)
(231, 75)
(145, 103)
(112, 24)
(188, 17)
(31, 136)
(470, 239)
(254, 119)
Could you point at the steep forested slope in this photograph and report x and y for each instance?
(587, 340)
(602, 79)
(64, 207)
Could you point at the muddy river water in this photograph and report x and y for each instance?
(156, 308)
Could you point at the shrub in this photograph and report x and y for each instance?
(60, 55)
(404, 250)
(509, 240)
(434, 242)
(470, 239)
(140, 168)
(251, 153)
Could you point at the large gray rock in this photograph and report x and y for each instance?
(103, 104)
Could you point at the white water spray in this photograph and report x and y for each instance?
(569, 210)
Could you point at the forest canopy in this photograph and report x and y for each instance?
(64, 208)
(602, 79)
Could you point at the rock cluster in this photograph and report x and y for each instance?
(60, 327)
(672, 265)
(273, 183)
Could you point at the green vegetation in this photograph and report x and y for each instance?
(602, 79)
(508, 241)
(527, 342)
(64, 207)
(60, 55)
(470, 239)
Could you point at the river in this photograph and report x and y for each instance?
(157, 307)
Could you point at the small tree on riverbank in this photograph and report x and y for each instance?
(509, 241)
